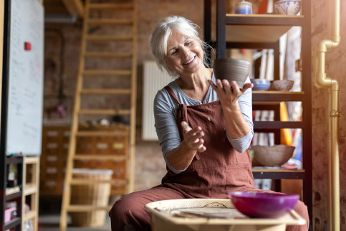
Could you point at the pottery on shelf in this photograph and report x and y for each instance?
(282, 85)
(260, 84)
(287, 7)
(275, 155)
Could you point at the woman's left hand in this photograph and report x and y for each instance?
(229, 92)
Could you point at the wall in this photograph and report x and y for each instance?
(335, 60)
(61, 62)
(149, 164)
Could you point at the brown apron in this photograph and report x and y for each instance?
(213, 173)
(218, 170)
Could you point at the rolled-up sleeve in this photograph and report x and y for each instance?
(245, 104)
(165, 122)
(166, 126)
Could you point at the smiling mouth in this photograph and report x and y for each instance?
(190, 60)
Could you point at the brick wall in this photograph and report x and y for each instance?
(62, 47)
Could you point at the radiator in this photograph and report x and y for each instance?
(153, 80)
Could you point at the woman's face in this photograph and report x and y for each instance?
(184, 54)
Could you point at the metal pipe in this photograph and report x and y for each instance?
(323, 81)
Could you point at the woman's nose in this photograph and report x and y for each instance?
(185, 52)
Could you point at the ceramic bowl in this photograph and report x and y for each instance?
(260, 84)
(287, 7)
(232, 69)
(275, 155)
(282, 85)
(263, 204)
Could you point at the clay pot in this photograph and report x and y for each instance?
(275, 155)
(232, 70)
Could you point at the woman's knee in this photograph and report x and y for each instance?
(124, 207)
(129, 209)
(116, 210)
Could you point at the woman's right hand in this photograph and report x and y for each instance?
(193, 138)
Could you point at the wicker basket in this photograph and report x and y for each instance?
(91, 194)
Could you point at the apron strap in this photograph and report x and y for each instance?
(171, 93)
(182, 108)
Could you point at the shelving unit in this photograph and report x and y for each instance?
(31, 173)
(13, 194)
(26, 166)
(263, 32)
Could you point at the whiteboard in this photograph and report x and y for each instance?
(25, 73)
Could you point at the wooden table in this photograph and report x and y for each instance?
(211, 215)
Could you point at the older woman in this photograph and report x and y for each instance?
(204, 126)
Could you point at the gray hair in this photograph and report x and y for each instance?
(161, 33)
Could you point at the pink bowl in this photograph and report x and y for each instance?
(263, 204)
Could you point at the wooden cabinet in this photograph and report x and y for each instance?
(54, 155)
(263, 31)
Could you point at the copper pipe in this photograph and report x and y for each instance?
(323, 81)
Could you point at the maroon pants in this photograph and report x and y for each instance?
(128, 213)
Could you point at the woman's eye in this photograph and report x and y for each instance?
(188, 43)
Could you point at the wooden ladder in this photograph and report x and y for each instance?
(109, 38)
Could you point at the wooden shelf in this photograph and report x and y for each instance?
(259, 28)
(13, 223)
(264, 19)
(277, 173)
(13, 193)
(29, 216)
(30, 189)
(13, 159)
(12, 190)
(278, 124)
(268, 96)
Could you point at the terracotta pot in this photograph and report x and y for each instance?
(275, 155)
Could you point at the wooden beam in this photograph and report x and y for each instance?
(74, 7)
